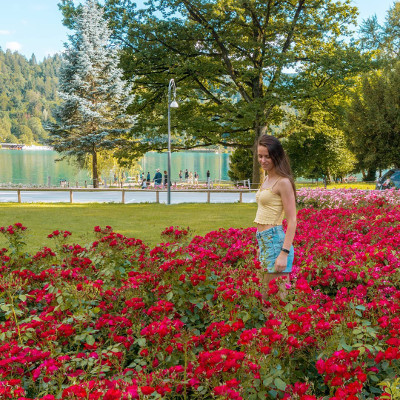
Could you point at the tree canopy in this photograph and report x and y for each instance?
(373, 120)
(372, 126)
(28, 92)
(236, 63)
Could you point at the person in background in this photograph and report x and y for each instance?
(165, 178)
(276, 199)
(144, 184)
(186, 175)
(190, 178)
(180, 176)
(196, 178)
(157, 178)
(148, 178)
(208, 178)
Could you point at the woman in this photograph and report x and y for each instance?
(276, 198)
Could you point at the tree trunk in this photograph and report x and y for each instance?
(257, 172)
(94, 170)
(364, 174)
(371, 175)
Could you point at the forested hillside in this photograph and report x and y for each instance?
(28, 93)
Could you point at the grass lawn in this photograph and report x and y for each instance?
(143, 221)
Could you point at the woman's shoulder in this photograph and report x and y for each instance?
(284, 183)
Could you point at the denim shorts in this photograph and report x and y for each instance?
(270, 243)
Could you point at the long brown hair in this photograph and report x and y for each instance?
(279, 157)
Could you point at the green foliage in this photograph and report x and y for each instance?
(316, 147)
(382, 40)
(28, 92)
(373, 126)
(230, 60)
(241, 164)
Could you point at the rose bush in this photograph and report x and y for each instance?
(186, 320)
(337, 198)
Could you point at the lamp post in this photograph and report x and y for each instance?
(171, 104)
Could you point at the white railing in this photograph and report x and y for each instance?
(123, 191)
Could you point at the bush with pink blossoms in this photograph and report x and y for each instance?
(186, 319)
(346, 198)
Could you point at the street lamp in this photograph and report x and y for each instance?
(171, 104)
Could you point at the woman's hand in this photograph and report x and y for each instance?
(281, 262)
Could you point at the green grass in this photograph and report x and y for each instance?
(143, 221)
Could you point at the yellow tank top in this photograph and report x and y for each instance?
(270, 208)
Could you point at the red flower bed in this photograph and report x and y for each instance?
(186, 319)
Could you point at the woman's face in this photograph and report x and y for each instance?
(264, 159)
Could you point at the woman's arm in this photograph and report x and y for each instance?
(285, 190)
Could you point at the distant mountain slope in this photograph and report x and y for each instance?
(28, 93)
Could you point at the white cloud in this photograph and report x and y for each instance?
(13, 46)
(3, 32)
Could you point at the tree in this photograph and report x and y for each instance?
(316, 147)
(92, 116)
(241, 164)
(39, 133)
(5, 127)
(383, 40)
(373, 127)
(25, 134)
(235, 63)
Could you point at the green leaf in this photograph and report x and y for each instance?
(374, 378)
(90, 340)
(280, 384)
(289, 307)
(268, 381)
(347, 347)
(22, 297)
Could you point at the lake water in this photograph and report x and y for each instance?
(33, 167)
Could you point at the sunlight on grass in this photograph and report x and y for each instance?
(143, 221)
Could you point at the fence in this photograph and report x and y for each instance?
(157, 192)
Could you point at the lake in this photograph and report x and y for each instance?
(34, 167)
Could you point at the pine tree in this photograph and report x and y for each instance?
(92, 116)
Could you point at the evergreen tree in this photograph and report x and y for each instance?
(92, 116)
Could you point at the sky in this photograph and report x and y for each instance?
(35, 26)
